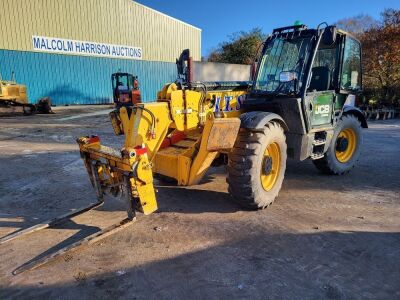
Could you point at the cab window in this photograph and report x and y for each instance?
(323, 69)
(351, 70)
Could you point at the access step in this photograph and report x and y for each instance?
(316, 156)
(319, 142)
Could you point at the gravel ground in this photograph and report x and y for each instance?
(325, 236)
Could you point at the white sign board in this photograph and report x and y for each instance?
(66, 46)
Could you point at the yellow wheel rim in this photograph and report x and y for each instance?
(271, 163)
(346, 144)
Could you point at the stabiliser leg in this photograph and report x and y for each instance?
(130, 205)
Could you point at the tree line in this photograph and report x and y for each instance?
(380, 40)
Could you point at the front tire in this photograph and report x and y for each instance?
(345, 148)
(256, 166)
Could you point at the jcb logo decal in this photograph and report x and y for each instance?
(322, 110)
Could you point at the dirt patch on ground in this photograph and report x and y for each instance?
(325, 237)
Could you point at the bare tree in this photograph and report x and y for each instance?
(358, 24)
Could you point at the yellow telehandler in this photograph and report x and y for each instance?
(300, 103)
(14, 99)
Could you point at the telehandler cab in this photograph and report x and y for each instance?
(300, 103)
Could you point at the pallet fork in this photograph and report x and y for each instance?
(95, 237)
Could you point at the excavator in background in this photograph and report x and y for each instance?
(125, 89)
(300, 104)
(14, 99)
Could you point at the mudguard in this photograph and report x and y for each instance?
(348, 109)
(258, 119)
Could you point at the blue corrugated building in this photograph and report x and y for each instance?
(68, 49)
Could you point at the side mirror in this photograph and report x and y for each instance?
(329, 35)
(287, 76)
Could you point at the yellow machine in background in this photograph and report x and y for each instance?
(14, 99)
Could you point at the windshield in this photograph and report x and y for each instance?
(281, 55)
(122, 82)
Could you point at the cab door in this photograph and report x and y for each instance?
(321, 108)
(350, 75)
(321, 95)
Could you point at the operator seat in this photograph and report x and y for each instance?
(320, 79)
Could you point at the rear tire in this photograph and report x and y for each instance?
(340, 162)
(256, 166)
